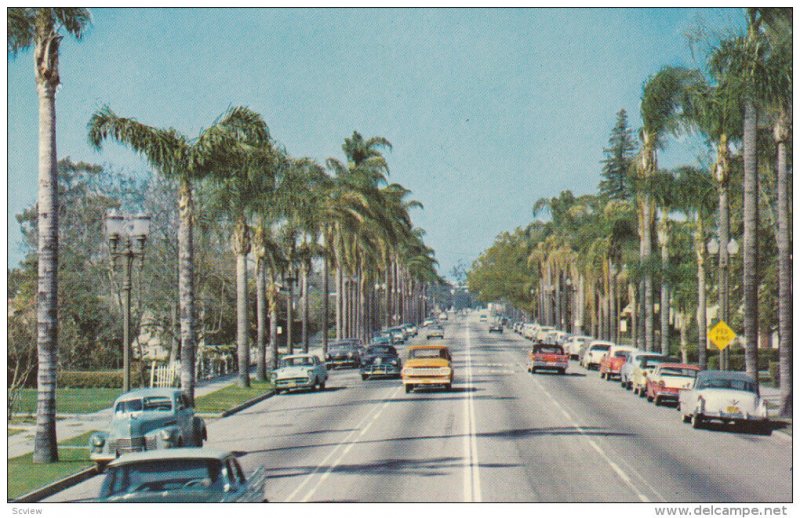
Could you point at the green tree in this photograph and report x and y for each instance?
(618, 159)
(41, 28)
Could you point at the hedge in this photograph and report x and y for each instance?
(90, 379)
(737, 362)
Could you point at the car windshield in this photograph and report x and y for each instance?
(600, 348)
(302, 361)
(340, 348)
(382, 350)
(727, 383)
(677, 371)
(157, 404)
(651, 361)
(127, 406)
(427, 353)
(161, 475)
(621, 354)
(550, 349)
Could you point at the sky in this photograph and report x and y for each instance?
(487, 110)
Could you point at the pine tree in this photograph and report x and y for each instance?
(622, 148)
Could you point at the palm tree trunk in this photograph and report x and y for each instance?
(305, 309)
(388, 296)
(272, 300)
(241, 247)
(261, 320)
(325, 300)
(664, 304)
(750, 248)
(612, 297)
(684, 337)
(186, 287)
(45, 448)
(634, 319)
(784, 269)
(290, 316)
(702, 340)
(647, 241)
(339, 294)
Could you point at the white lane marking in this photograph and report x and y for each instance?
(341, 457)
(472, 478)
(620, 473)
(345, 441)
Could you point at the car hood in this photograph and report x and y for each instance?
(679, 382)
(381, 358)
(127, 425)
(428, 362)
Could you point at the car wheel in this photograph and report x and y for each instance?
(533, 370)
(562, 371)
(657, 401)
(649, 397)
(635, 391)
(448, 387)
(409, 388)
(697, 420)
(685, 418)
(322, 386)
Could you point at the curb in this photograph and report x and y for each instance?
(247, 404)
(57, 486)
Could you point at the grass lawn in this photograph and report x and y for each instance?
(24, 476)
(14, 431)
(230, 396)
(72, 401)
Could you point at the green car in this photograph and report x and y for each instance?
(182, 475)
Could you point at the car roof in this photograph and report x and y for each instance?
(427, 346)
(143, 392)
(732, 375)
(170, 454)
(600, 342)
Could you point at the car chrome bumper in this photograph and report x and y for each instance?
(430, 380)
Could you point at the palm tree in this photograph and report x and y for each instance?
(41, 28)
(663, 97)
(174, 156)
(240, 182)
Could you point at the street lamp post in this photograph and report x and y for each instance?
(732, 249)
(289, 311)
(127, 235)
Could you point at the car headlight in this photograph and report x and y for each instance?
(167, 435)
(98, 441)
(310, 372)
(349, 355)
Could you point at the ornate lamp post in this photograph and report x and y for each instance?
(713, 247)
(289, 310)
(127, 235)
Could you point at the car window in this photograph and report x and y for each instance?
(600, 348)
(297, 362)
(237, 469)
(675, 371)
(550, 349)
(725, 383)
(157, 404)
(429, 353)
(621, 354)
(127, 406)
(157, 476)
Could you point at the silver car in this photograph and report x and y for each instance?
(299, 371)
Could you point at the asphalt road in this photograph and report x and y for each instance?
(500, 435)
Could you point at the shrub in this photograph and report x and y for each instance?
(90, 379)
(775, 373)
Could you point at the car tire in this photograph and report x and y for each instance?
(649, 397)
(448, 387)
(562, 371)
(409, 388)
(685, 418)
(322, 386)
(533, 370)
(697, 420)
(635, 391)
(657, 400)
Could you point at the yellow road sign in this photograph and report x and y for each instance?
(721, 335)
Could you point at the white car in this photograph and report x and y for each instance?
(542, 333)
(574, 344)
(529, 330)
(594, 353)
(299, 371)
(727, 396)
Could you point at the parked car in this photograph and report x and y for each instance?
(396, 335)
(594, 353)
(483, 317)
(547, 357)
(381, 361)
(428, 322)
(613, 360)
(343, 353)
(381, 340)
(148, 419)
(573, 346)
(300, 371)
(727, 396)
(667, 381)
(412, 329)
(435, 331)
(427, 366)
(643, 368)
(496, 327)
(182, 475)
(442, 316)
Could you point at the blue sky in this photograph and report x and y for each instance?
(488, 110)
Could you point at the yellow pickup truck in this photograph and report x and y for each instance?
(427, 366)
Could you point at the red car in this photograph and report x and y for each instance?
(613, 360)
(546, 356)
(667, 381)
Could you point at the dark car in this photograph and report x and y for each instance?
(497, 327)
(381, 361)
(343, 354)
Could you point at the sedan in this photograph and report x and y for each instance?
(727, 396)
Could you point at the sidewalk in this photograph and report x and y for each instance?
(78, 424)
